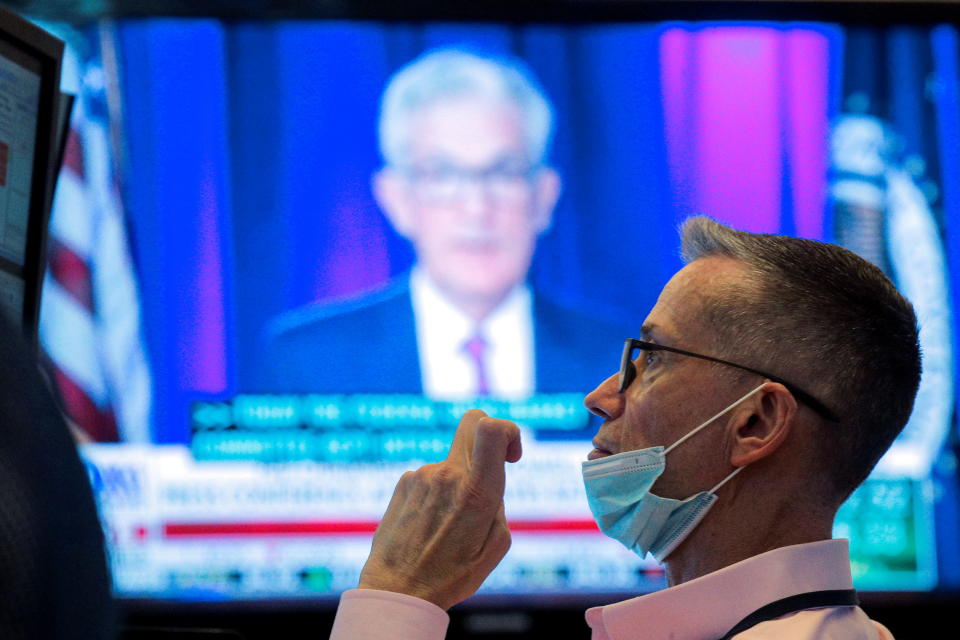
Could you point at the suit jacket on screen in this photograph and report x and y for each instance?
(369, 345)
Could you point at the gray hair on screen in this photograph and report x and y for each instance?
(453, 73)
(826, 319)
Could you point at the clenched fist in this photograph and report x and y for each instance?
(444, 530)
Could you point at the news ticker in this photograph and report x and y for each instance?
(362, 428)
(182, 528)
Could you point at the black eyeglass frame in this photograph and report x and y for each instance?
(628, 372)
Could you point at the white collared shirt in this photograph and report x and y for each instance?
(447, 370)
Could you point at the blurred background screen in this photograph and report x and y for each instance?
(272, 290)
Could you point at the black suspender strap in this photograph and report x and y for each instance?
(799, 602)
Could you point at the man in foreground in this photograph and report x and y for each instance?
(772, 374)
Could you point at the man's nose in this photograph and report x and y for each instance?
(476, 199)
(606, 400)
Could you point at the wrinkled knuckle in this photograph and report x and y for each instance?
(497, 428)
(474, 497)
(407, 480)
(501, 540)
(506, 540)
(487, 429)
(428, 470)
(445, 476)
(488, 423)
(420, 478)
(474, 413)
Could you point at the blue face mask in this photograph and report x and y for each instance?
(618, 492)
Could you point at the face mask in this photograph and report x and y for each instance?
(618, 492)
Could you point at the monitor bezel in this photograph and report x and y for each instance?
(511, 11)
(48, 51)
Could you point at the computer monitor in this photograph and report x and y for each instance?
(31, 125)
(260, 207)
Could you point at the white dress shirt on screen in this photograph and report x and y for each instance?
(447, 369)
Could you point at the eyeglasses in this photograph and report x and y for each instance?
(445, 184)
(628, 371)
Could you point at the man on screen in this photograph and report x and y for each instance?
(465, 141)
(772, 374)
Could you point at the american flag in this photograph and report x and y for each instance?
(90, 309)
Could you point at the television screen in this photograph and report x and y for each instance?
(323, 241)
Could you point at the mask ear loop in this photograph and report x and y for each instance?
(727, 479)
(694, 432)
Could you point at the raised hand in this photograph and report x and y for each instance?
(444, 530)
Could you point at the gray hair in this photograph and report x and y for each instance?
(450, 73)
(826, 319)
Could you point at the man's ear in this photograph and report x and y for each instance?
(546, 192)
(764, 424)
(393, 195)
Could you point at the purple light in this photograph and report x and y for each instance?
(204, 367)
(746, 124)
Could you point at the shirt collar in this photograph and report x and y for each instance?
(711, 605)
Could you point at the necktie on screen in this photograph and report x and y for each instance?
(475, 348)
